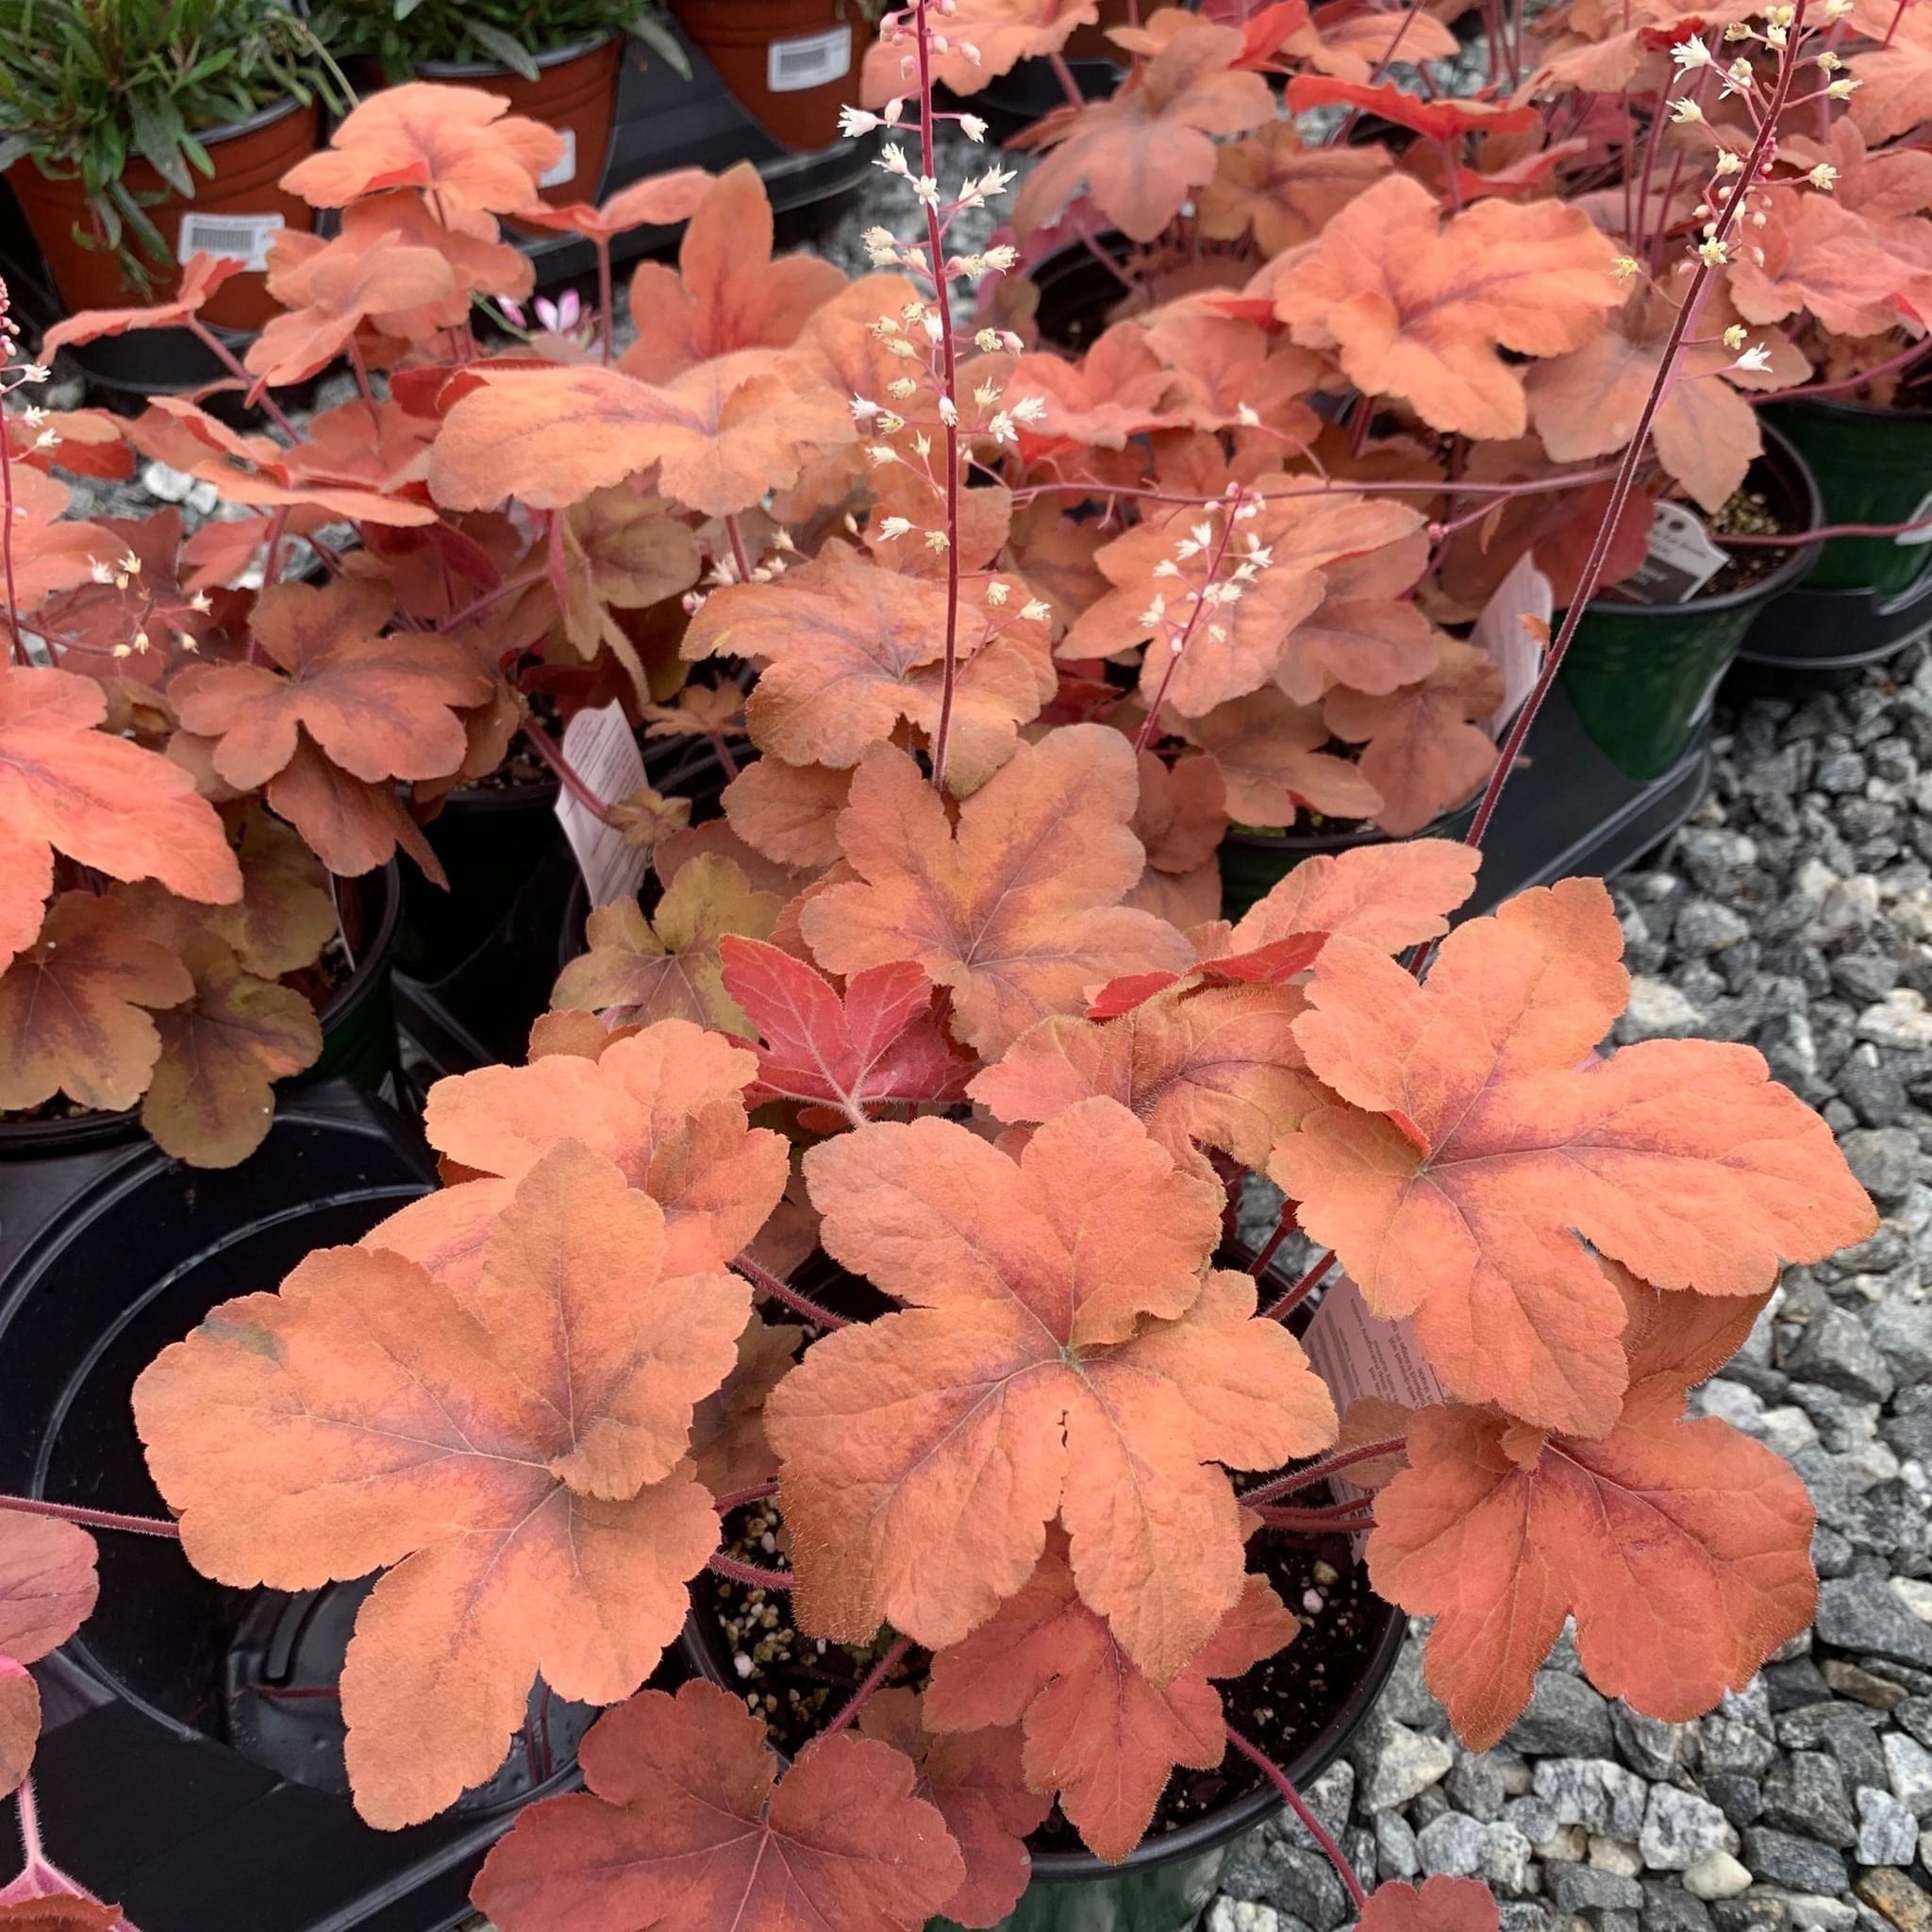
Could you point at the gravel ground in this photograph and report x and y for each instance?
(1794, 913)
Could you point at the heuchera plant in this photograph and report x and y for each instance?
(1020, 633)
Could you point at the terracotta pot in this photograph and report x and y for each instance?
(250, 159)
(575, 91)
(791, 64)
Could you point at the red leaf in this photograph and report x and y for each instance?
(47, 1584)
(1437, 1905)
(881, 1040)
(20, 1724)
(687, 1823)
(1444, 120)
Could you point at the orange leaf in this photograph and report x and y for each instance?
(1442, 119)
(727, 1429)
(1058, 1356)
(455, 144)
(211, 1096)
(1468, 1154)
(1265, 747)
(47, 1584)
(52, 551)
(352, 824)
(1355, 41)
(1423, 753)
(201, 275)
(687, 1823)
(1285, 191)
(726, 292)
(1822, 258)
(1387, 897)
(1098, 1730)
(880, 1040)
(1682, 1547)
(100, 799)
(979, 1785)
(1017, 911)
(71, 1018)
(789, 814)
(512, 1452)
(20, 1724)
(1141, 152)
(1000, 32)
(657, 201)
(1437, 1905)
(666, 1103)
(349, 282)
(377, 707)
(1417, 308)
(723, 434)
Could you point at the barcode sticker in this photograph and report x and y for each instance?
(599, 748)
(230, 238)
(808, 62)
(1359, 1354)
(565, 166)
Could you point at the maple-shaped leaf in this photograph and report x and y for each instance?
(1354, 42)
(722, 434)
(1216, 1065)
(1422, 309)
(657, 201)
(1682, 1548)
(618, 550)
(212, 1095)
(1436, 1904)
(1267, 749)
(456, 144)
(666, 1103)
(1470, 1152)
(1180, 819)
(1387, 897)
(1097, 1731)
(978, 1784)
(1141, 152)
(727, 1429)
(72, 1016)
(850, 649)
(1439, 120)
(1018, 908)
(1892, 96)
(726, 292)
(1822, 258)
(1059, 1358)
(1272, 184)
(348, 283)
(512, 1454)
(687, 1824)
(1423, 753)
(352, 824)
(789, 814)
(1119, 389)
(378, 707)
(52, 551)
(110, 804)
(880, 1040)
(201, 273)
(1000, 32)
(669, 969)
(1588, 403)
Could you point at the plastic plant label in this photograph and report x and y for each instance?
(1910, 538)
(1358, 1353)
(230, 238)
(599, 748)
(1682, 559)
(808, 62)
(1513, 632)
(564, 168)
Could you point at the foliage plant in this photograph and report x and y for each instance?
(401, 35)
(997, 639)
(87, 85)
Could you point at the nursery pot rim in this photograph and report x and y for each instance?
(485, 70)
(32, 1140)
(1847, 405)
(277, 109)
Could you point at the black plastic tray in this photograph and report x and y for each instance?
(1831, 635)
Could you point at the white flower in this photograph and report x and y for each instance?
(927, 190)
(899, 346)
(99, 572)
(1843, 87)
(1822, 176)
(1167, 567)
(47, 439)
(972, 127)
(1247, 415)
(882, 452)
(1624, 267)
(1036, 611)
(934, 328)
(203, 602)
(1155, 612)
(1712, 252)
(894, 110)
(1734, 336)
(141, 640)
(987, 394)
(949, 413)
(986, 341)
(877, 239)
(852, 122)
(893, 160)
(863, 409)
(1828, 62)
(1756, 360)
(934, 540)
(1686, 110)
(997, 591)
(891, 528)
(967, 52)
(1837, 9)
(33, 415)
(1000, 259)
(1728, 164)
(900, 387)
(131, 564)
(1001, 427)
(35, 371)
(1029, 409)
(1691, 53)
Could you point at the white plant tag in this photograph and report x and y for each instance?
(1907, 539)
(230, 238)
(564, 168)
(808, 62)
(1358, 1353)
(601, 751)
(1682, 559)
(1512, 646)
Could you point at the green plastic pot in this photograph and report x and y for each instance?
(1643, 676)
(1873, 465)
(1253, 863)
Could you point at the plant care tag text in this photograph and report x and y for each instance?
(1358, 1353)
(808, 62)
(1682, 559)
(599, 748)
(228, 238)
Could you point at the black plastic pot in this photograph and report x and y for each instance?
(358, 1046)
(182, 1772)
(1867, 595)
(1567, 809)
(1644, 677)
(1029, 90)
(1078, 292)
